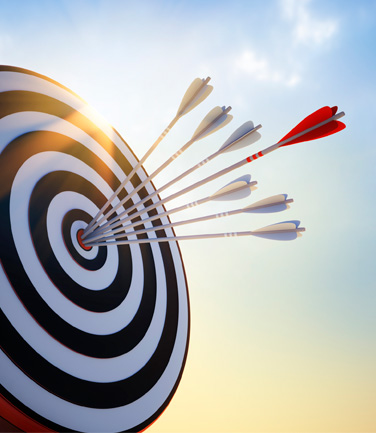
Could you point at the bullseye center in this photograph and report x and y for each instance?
(79, 239)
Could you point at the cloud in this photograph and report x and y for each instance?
(261, 69)
(286, 59)
(308, 29)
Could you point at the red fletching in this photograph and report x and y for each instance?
(313, 119)
(325, 130)
(334, 110)
(310, 121)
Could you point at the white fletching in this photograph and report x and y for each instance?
(214, 120)
(245, 135)
(235, 190)
(288, 225)
(285, 231)
(275, 203)
(197, 92)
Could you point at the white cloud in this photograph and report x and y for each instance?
(308, 28)
(261, 69)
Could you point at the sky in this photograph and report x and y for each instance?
(282, 333)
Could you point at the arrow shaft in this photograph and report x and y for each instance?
(192, 237)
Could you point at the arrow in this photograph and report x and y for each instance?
(321, 123)
(285, 231)
(196, 93)
(277, 203)
(243, 136)
(217, 118)
(237, 189)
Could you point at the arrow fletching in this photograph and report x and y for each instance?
(319, 116)
(275, 203)
(216, 118)
(235, 190)
(285, 231)
(245, 135)
(197, 92)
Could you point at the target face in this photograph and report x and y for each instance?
(92, 339)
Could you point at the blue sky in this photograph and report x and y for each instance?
(283, 334)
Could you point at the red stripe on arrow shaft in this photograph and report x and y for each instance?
(255, 156)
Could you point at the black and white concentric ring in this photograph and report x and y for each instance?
(91, 340)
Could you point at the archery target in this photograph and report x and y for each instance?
(92, 339)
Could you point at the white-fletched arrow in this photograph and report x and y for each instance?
(237, 189)
(285, 231)
(196, 93)
(276, 203)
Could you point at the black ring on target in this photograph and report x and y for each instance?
(79, 335)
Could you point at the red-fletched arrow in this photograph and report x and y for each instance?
(321, 123)
(319, 116)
